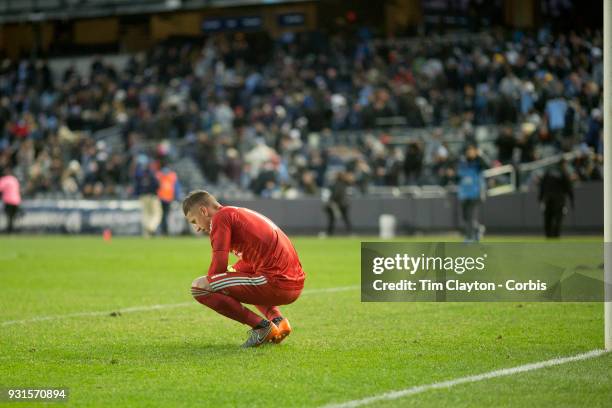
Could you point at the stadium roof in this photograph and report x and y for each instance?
(12, 11)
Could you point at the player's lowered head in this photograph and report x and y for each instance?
(199, 207)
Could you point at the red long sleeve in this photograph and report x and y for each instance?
(218, 263)
(220, 240)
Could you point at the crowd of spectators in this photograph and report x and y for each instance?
(267, 118)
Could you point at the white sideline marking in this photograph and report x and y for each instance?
(152, 307)
(392, 395)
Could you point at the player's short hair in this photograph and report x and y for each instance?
(200, 198)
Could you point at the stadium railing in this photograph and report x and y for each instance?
(508, 185)
(499, 180)
(529, 173)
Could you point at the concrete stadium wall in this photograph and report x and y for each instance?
(521, 212)
(511, 213)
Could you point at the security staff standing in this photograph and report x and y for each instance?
(168, 191)
(337, 203)
(555, 186)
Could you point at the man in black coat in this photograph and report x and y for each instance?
(338, 203)
(554, 188)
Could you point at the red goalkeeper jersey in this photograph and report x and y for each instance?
(258, 242)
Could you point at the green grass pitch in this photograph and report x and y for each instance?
(340, 349)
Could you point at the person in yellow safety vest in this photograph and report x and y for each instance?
(169, 190)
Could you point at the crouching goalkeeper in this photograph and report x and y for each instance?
(268, 273)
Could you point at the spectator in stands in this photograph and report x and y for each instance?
(169, 190)
(594, 131)
(505, 145)
(471, 191)
(393, 166)
(413, 163)
(11, 197)
(308, 183)
(443, 166)
(72, 178)
(527, 142)
(207, 157)
(555, 187)
(232, 165)
(555, 112)
(362, 173)
(239, 96)
(587, 166)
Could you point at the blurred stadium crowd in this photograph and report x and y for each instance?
(271, 120)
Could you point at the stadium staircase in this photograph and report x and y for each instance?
(189, 174)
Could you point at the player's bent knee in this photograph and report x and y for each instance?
(201, 283)
(200, 287)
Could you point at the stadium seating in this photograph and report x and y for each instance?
(224, 121)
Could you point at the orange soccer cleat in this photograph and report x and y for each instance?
(262, 335)
(284, 329)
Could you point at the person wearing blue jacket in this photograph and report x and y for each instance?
(471, 191)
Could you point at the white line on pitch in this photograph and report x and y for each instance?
(152, 307)
(392, 395)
